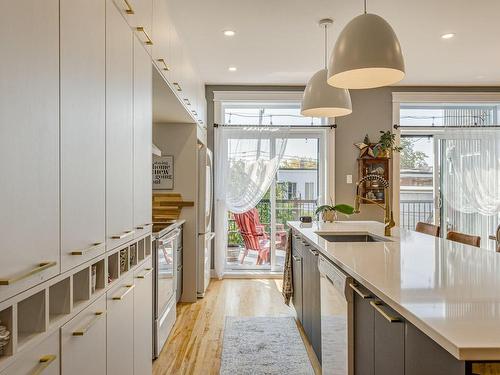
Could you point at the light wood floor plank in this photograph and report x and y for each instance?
(195, 344)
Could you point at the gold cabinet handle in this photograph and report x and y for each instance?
(123, 235)
(43, 363)
(391, 319)
(144, 275)
(128, 9)
(296, 258)
(129, 289)
(194, 112)
(143, 226)
(165, 66)
(39, 268)
(94, 246)
(97, 316)
(360, 292)
(187, 101)
(141, 29)
(177, 86)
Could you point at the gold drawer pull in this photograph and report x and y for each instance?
(187, 101)
(123, 235)
(129, 289)
(41, 267)
(391, 319)
(177, 86)
(165, 66)
(129, 9)
(360, 292)
(43, 363)
(143, 226)
(143, 276)
(97, 315)
(141, 29)
(94, 246)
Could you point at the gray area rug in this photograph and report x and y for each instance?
(263, 345)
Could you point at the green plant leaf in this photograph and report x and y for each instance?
(344, 209)
(322, 208)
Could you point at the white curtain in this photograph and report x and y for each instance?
(470, 182)
(246, 161)
(471, 173)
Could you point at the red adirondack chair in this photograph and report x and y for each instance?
(253, 234)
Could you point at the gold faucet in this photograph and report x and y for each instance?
(388, 217)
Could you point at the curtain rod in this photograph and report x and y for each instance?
(396, 126)
(332, 126)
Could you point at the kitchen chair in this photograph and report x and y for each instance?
(426, 228)
(253, 234)
(466, 239)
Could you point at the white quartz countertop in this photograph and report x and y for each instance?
(449, 291)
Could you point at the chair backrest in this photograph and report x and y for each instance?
(247, 225)
(427, 228)
(466, 239)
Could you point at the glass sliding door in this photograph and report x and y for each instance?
(296, 190)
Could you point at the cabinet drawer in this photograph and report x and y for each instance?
(120, 328)
(143, 320)
(42, 359)
(83, 341)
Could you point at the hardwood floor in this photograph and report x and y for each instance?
(195, 344)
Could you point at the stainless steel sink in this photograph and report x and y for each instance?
(352, 238)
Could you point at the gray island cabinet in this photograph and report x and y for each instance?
(383, 341)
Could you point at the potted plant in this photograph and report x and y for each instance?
(329, 212)
(386, 144)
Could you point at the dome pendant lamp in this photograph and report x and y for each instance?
(367, 54)
(320, 99)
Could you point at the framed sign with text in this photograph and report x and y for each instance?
(163, 173)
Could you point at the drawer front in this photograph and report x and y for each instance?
(120, 328)
(83, 341)
(42, 359)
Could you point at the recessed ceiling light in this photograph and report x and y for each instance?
(229, 33)
(232, 69)
(448, 35)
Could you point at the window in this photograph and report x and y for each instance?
(309, 191)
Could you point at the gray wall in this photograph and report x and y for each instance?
(372, 112)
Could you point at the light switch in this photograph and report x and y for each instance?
(349, 178)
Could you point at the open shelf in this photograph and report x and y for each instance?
(59, 300)
(81, 286)
(97, 279)
(6, 320)
(140, 250)
(31, 318)
(132, 255)
(113, 267)
(124, 262)
(147, 246)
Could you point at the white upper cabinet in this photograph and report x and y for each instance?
(119, 129)
(83, 130)
(143, 124)
(139, 15)
(162, 35)
(29, 144)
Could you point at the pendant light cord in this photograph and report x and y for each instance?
(326, 44)
(365, 6)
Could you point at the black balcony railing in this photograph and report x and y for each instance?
(413, 211)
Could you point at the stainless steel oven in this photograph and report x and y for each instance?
(165, 286)
(337, 357)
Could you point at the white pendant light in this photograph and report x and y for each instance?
(320, 99)
(367, 54)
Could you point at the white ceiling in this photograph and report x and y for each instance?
(279, 42)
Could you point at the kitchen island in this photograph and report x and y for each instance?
(447, 295)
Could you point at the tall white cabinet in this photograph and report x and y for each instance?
(119, 128)
(142, 134)
(83, 130)
(29, 144)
